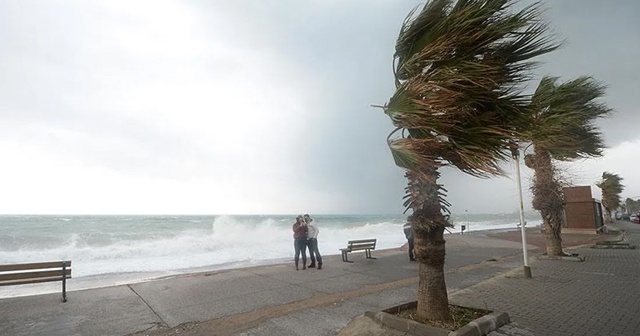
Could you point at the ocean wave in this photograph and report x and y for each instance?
(156, 244)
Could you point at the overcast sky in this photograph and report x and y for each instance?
(251, 107)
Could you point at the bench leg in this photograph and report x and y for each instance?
(345, 257)
(64, 284)
(367, 254)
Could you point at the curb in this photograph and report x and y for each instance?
(483, 325)
(620, 243)
(405, 325)
(478, 327)
(614, 246)
(578, 258)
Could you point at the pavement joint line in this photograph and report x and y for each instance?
(146, 303)
(297, 284)
(232, 324)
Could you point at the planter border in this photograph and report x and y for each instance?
(567, 257)
(478, 327)
(621, 244)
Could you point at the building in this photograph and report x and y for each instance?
(583, 213)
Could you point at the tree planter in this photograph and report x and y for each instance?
(616, 244)
(567, 256)
(478, 327)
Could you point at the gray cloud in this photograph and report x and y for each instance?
(84, 80)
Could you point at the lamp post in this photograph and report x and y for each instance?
(515, 153)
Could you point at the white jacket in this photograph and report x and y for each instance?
(313, 230)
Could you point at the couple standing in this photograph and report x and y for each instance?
(305, 234)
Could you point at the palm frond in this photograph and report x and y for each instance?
(460, 68)
(561, 118)
(611, 185)
(421, 188)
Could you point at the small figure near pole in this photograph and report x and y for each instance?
(408, 233)
(467, 213)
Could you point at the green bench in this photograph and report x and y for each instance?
(21, 274)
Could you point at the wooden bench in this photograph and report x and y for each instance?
(21, 274)
(358, 245)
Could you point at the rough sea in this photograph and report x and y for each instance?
(110, 250)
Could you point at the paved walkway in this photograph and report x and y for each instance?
(265, 300)
(277, 300)
(600, 296)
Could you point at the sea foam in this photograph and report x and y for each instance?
(108, 250)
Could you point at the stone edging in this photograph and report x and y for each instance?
(478, 327)
(573, 257)
(483, 325)
(405, 325)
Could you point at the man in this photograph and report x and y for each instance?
(408, 233)
(312, 242)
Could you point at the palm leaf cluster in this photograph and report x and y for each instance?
(611, 185)
(459, 70)
(632, 206)
(561, 118)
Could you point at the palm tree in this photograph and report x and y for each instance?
(560, 125)
(611, 189)
(459, 70)
(632, 205)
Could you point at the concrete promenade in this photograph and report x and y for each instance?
(277, 300)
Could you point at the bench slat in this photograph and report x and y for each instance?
(31, 281)
(361, 241)
(359, 248)
(363, 244)
(40, 265)
(34, 275)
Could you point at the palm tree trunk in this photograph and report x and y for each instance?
(553, 230)
(607, 216)
(429, 223)
(433, 302)
(548, 199)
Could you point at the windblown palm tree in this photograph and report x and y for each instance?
(611, 185)
(632, 206)
(560, 125)
(459, 69)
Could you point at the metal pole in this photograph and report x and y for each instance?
(527, 269)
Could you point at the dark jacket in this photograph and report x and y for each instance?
(299, 231)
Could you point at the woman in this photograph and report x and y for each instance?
(300, 241)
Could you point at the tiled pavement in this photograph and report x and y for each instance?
(600, 296)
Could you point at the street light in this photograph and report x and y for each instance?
(515, 154)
